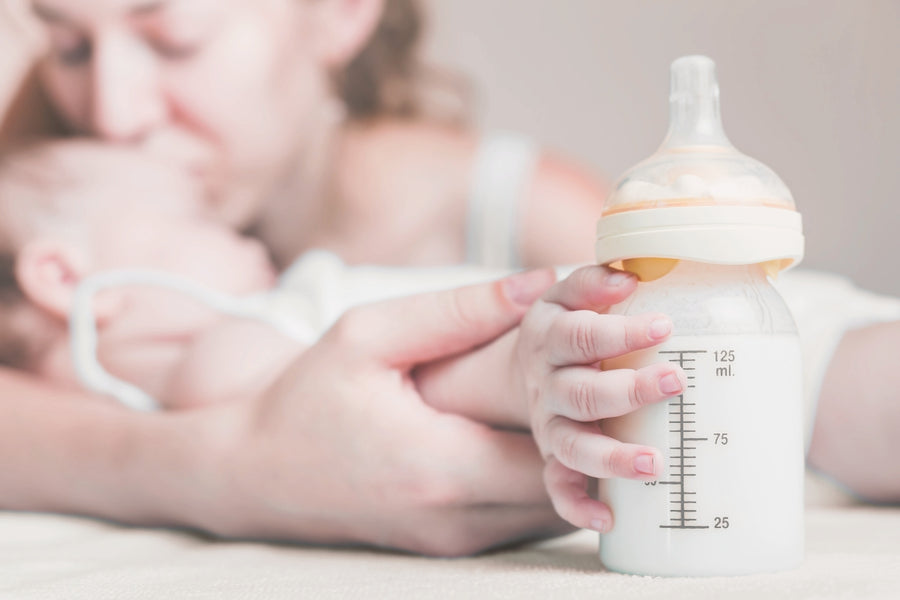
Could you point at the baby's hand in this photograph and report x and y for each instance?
(562, 340)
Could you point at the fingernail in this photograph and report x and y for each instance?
(525, 288)
(645, 463)
(618, 278)
(670, 384)
(601, 525)
(660, 328)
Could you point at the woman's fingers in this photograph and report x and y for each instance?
(501, 467)
(581, 447)
(421, 328)
(584, 337)
(568, 492)
(592, 288)
(589, 394)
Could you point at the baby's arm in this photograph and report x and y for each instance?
(236, 359)
(549, 380)
(856, 438)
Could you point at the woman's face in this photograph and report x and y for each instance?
(229, 88)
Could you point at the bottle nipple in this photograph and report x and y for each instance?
(697, 197)
(694, 114)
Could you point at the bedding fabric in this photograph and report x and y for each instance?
(853, 551)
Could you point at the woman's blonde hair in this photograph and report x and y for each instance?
(387, 78)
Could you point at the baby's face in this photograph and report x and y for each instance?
(121, 211)
(152, 216)
(130, 211)
(178, 238)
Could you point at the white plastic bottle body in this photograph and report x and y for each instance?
(729, 499)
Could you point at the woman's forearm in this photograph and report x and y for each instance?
(65, 451)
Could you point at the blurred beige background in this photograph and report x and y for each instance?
(810, 87)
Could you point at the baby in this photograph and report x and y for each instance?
(69, 214)
(64, 221)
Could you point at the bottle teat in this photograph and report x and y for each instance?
(697, 197)
(696, 165)
(694, 116)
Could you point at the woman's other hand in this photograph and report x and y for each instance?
(22, 107)
(20, 34)
(342, 449)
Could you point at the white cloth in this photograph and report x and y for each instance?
(851, 552)
(318, 287)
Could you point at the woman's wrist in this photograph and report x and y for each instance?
(251, 483)
(182, 466)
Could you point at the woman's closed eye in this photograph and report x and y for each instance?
(74, 50)
(175, 49)
(178, 31)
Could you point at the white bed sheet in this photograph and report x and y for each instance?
(853, 551)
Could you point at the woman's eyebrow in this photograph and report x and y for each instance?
(150, 7)
(52, 15)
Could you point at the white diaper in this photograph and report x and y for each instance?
(319, 287)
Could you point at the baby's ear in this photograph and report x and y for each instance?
(49, 271)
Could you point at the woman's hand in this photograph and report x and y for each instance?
(342, 449)
(18, 27)
(21, 42)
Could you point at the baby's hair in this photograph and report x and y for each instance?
(387, 77)
(24, 181)
(28, 179)
(14, 347)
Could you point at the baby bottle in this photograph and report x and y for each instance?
(705, 228)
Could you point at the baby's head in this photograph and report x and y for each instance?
(70, 210)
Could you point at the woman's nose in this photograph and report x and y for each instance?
(127, 101)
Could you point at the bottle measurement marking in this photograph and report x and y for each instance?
(680, 515)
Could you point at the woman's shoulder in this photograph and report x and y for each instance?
(427, 172)
(446, 154)
(397, 185)
(391, 147)
(403, 164)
